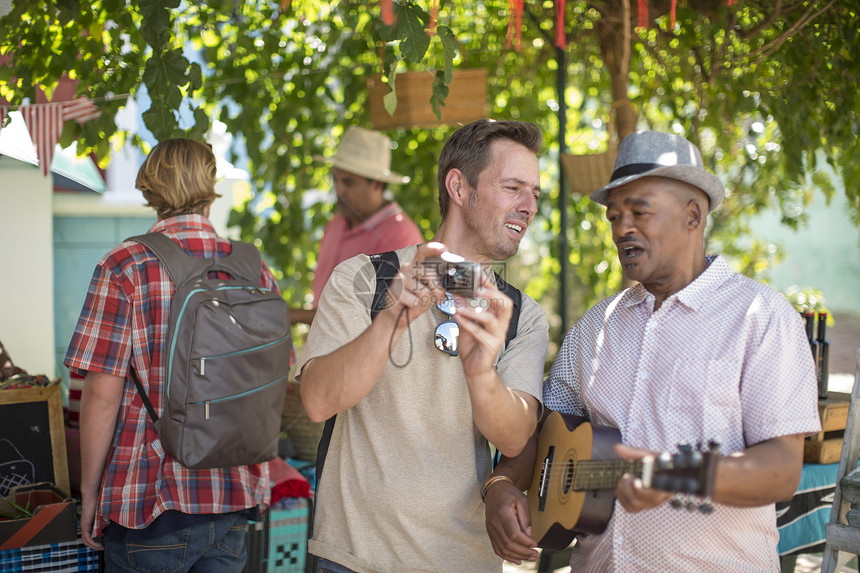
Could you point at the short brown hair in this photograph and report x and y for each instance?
(468, 150)
(178, 177)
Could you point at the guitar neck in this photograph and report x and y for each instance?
(605, 474)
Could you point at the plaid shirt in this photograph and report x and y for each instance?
(124, 321)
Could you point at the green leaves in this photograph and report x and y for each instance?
(164, 75)
(764, 107)
(440, 92)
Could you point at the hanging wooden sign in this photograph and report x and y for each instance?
(466, 102)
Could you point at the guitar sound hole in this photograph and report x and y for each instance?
(568, 476)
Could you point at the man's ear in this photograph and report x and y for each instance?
(455, 184)
(697, 214)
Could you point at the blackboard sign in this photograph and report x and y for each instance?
(32, 438)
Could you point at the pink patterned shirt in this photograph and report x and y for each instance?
(724, 359)
(388, 229)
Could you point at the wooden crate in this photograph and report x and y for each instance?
(466, 101)
(825, 447)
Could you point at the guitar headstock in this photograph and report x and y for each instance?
(688, 473)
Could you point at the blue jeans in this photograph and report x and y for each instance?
(326, 566)
(216, 546)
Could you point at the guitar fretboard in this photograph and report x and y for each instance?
(592, 474)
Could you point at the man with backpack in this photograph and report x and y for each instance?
(414, 388)
(153, 512)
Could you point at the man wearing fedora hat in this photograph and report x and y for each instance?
(693, 353)
(366, 222)
(413, 395)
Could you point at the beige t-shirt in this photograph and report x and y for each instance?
(400, 490)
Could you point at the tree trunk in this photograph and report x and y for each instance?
(614, 32)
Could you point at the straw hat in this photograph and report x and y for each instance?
(656, 154)
(366, 153)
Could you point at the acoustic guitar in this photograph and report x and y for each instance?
(573, 486)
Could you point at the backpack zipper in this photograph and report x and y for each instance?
(203, 359)
(179, 320)
(234, 396)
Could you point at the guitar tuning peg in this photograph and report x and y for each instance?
(706, 507)
(691, 505)
(676, 502)
(713, 445)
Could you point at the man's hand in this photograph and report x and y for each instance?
(632, 495)
(416, 287)
(483, 325)
(509, 523)
(88, 516)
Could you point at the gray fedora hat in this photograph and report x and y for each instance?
(366, 153)
(656, 154)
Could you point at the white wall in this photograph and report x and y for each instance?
(26, 267)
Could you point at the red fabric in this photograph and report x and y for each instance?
(434, 12)
(560, 37)
(124, 321)
(673, 10)
(387, 9)
(515, 25)
(643, 14)
(287, 481)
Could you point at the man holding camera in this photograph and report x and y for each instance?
(410, 417)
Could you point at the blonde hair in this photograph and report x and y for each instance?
(178, 178)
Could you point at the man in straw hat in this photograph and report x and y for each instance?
(414, 396)
(366, 222)
(693, 353)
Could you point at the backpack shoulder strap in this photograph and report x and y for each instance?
(179, 264)
(243, 262)
(386, 266)
(517, 297)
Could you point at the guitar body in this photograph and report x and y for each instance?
(559, 512)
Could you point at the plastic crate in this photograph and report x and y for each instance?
(71, 556)
(278, 543)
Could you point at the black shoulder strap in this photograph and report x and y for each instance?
(386, 266)
(139, 385)
(515, 295)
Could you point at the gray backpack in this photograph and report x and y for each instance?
(227, 358)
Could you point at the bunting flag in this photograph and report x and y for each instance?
(560, 37)
(434, 13)
(387, 9)
(80, 110)
(643, 14)
(515, 26)
(45, 122)
(672, 11)
(2, 115)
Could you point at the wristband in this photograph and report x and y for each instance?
(491, 481)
